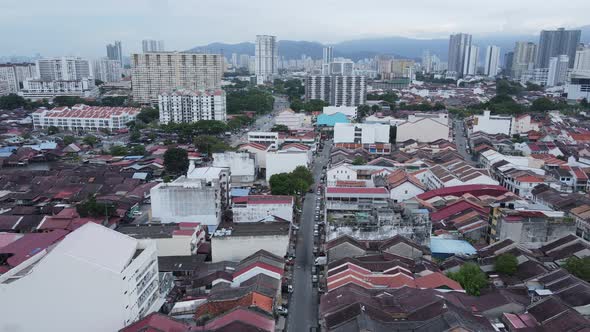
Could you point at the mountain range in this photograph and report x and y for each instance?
(369, 47)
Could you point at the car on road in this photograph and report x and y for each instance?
(314, 278)
(137, 213)
(282, 311)
(316, 233)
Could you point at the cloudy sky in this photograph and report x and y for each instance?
(68, 27)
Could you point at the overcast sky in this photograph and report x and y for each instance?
(81, 27)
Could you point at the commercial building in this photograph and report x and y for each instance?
(157, 72)
(349, 111)
(337, 90)
(39, 89)
(268, 138)
(285, 161)
(582, 60)
(341, 67)
(327, 54)
(578, 87)
(242, 166)
(553, 43)
(15, 74)
(456, 173)
(115, 52)
(459, 50)
(290, 119)
(361, 133)
(345, 199)
(83, 117)
(558, 68)
(241, 240)
(492, 63)
(525, 54)
(63, 69)
(424, 127)
(103, 279)
(256, 208)
(107, 70)
(493, 124)
(186, 106)
(150, 45)
(266, 54)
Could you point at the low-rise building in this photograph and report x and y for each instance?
(290, 119)
(349, 111)
(285, 161)
(36, 89)
(172, 239)
(355, 199)
(263, 137)
(256, 208)
(424, 127)
(455, 173)
(259, 150)
(240, 240)
(242, 166)
(493, 124)
(83, 117)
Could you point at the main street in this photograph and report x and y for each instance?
(303, 305)
(461, 140)
(263, 123)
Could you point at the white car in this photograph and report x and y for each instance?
(316, 233)
(137, 213)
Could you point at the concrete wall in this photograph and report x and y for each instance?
(404, 192)
(402, 249)
(256, 212)
(344, 250)
(236, 248)
(284, 162)
(492, 124)
(427, 130)
(241, 165)
(340, 173)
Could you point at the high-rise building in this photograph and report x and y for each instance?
(234, 60)
(150, 45)
(115, 52)
(244, 61)
(459, 47)
(266, 53)
(553, 43)
(342, 67)
(558, 67)
(107, 70)
(402, 68)
(186, 106)
(14, 74)
(153, 73)
(492, 61)
(64, 68)
(508, 60)
(328, 54)
(428, 62)
(337, 90)
(525, 54)
(471, 59)
(582, 60)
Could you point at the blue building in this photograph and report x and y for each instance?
(442, 248)
(325, 120)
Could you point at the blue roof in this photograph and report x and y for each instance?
(332, 119)
(450, 246)
(140, 175)
(43, 146)
(8, 149)
(240, 192)
(133, 157)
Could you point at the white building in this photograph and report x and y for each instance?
(83, 117)
(153, 73)
(424, 127)
(15, 74)
(256, 208)
(266, 53)
(492, 63)
(361, 133)
(524, 123)
(337, 90)
(582, 60)
(259, 151)
(150, 45)
(284, 162)
(186, 106)
(187, 200)
(455, 173)
(290, 119)
(63, 69)
(172, 239)
(245, 239)
(5, 88)
(578, 87)
(103, 279)
(340, 173)
(242, 166)
(35, 89)
(493, 124)
(558, 68)
(471, 60)
(349, 111)
(264, 137)
(107, 70)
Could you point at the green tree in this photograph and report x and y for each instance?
(281, 184)
(302, 172)
(315, 105)
(359, 161)
(148, 115)
(543, 104)
(67, 140)
(580, 267)
(505, 87)
(280, 128)
(12, 101)
(70, 101)
(471, 278)
(90, 140)
(114, 101)
(297, 105)
(176, 161)
(249, 100)
(91, 208)
(506, 264)
(209, 144)
(118, 150)
(52, 130)
(137, 150)
(98, 82)
(135, 135)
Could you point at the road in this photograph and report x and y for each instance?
(461, 140)
(263, 123)
(303, 305)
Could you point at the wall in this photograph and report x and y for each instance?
(340, 173)
(256, 212)
(426, 130)
(404, 192)
(241, 165)
(236, 248)
(492, 125)
(284, 162)
(344, 250)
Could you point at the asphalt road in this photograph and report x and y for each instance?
(263, 123)
(461, 140)
(303, 304)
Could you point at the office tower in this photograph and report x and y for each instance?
(508, 60)
(328, 55)
(153, 73)
(337, 90)
(525, 54)
(470, 60)
(459, 47)
(115, 52)
(14, 74)
(107, 70)
(582, 61)
(553, 43)
(492, 61)
(64, 68)
(427, 62)
(186, 106)
(150, 45)
(266, 53)
(557, 72)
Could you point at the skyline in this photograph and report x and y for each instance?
(132, 21)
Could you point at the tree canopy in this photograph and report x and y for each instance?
(176, 161)
(292, 183)
(90, 140)
(506, 264)
(471, 278)
(148, 115)
(580, 267)
(249, 100)
(280, 128)
(188, 131)
(12, 101)
(209, 144)
(359, 161)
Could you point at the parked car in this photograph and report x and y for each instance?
(282, 311)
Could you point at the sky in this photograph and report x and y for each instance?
(83, 28)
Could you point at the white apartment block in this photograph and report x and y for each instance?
(264, 137)
(337, 90)
(150, 45)
(361, 133)
(186, 106)
(290, 119)
(107, 70)
(492, 63)
(154, 73)
(35, 89)
(15, 75)
(83, 117)
(103, 279)
(266, 55)
(242, 166)
(63, 68)
(4, 88)
(285, 162)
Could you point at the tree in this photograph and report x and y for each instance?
(315, 105)
(135, 135)
(359, 161)
(137, 150)
(506, 264)
(578, 267)
(12, 101)
(302, 172)
(90, 140)
(98, 82)
(118, 150)
(176, 161)
(505, 87)
(543, 104)
(584, 103)
(52, 130)
(148, 115)
(362, 111)
(280, 128)
(292, 183)
(91, 208)
(471, 278)
(249, 100)
(69, 101)
(67, 140)
(209, 144)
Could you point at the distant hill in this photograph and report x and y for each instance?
(369, 47)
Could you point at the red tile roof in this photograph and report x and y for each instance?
(157, 322)
(28, 246)
(474, 189)
(437, 280)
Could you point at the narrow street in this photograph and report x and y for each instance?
(263, 123)
(461, 141)
(303, 305)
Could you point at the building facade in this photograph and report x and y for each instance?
(459, 47)
(115, 51)
(558, 68)
(157, 72)
(150, 45)
(83, 117)
(337, 90)
(553, 43)
(63, 69)
(524, 57)
(15, 74)
(35, 89)
(186, 106)
(108, 70)
(266, 53)
(492, 63)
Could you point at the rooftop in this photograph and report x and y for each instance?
(253, 229)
